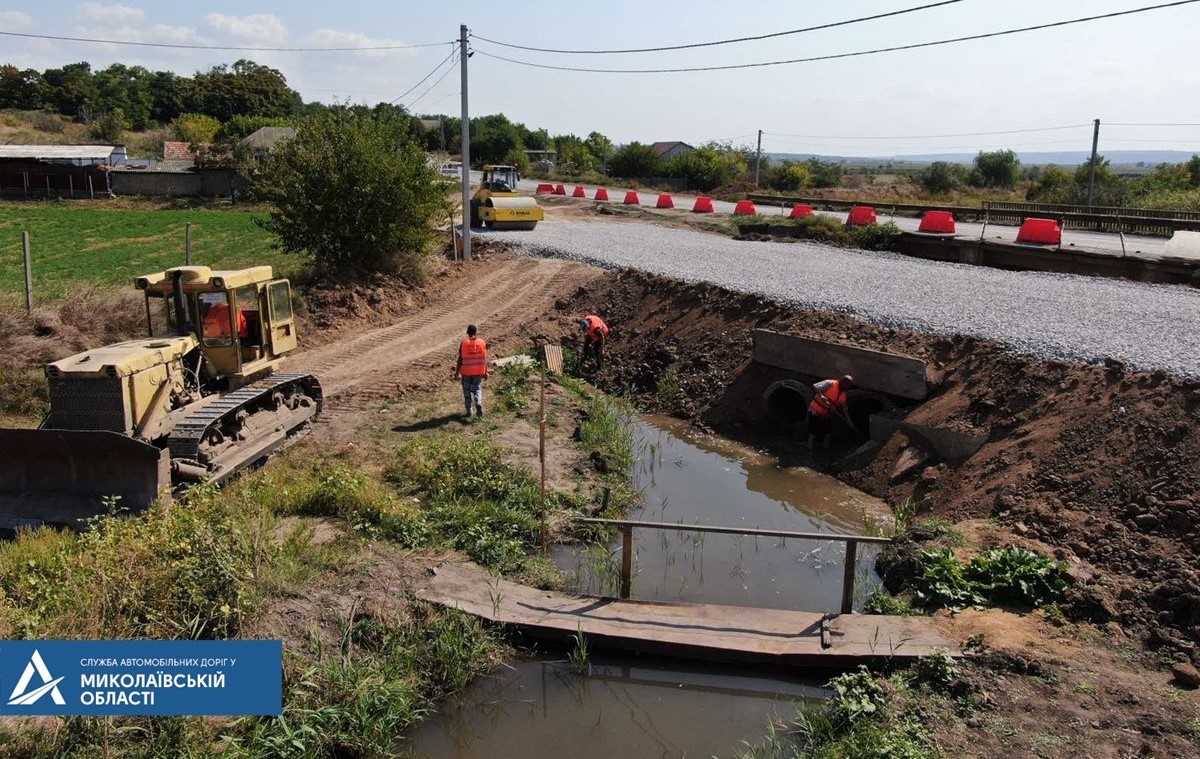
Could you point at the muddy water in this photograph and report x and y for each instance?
(617, 709)
(690, 478)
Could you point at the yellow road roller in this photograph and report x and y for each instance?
(496, 204)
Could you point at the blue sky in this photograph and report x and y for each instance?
(1137, 69)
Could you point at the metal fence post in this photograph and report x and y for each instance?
(626, 559)
(848, 576)
(28, 273)
(187, 245)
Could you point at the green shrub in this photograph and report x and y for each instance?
(942, 583)
(511, 386)
(882, 602)
(1017, 576)
(876, 236)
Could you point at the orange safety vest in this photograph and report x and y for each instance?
(216, 322)
(596, 327)
(825, 402)
(473, 355)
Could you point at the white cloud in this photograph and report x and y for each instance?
(338, 38)
(262, 27)
(15, 21)
(109, 15)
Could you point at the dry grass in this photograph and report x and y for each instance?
(84, 319)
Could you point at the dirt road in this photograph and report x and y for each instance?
(370, 366)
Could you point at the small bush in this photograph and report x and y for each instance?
(942, 583)
(44, 121)
(511, 386)
(1017, 576)
(876, 236)
(885, 603)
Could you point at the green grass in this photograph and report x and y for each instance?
(73, 246)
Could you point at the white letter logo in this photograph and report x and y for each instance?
(21, 697)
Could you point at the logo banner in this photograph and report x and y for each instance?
(141, 677)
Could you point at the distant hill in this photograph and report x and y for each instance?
(1062, 158)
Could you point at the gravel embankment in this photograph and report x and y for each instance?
(1048, 315)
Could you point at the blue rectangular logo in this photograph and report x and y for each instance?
(141, 677)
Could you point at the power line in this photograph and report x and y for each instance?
(835, 56)
(435, 84)
(181, 46)
(721, 42)
(433, 71)
(1118, 124)
(924, 136)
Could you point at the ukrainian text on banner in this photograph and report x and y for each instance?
(141, 677)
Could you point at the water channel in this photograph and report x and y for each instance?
(633, 707)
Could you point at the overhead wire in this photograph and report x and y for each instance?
(185, 46)
(714, 43)
(924, 136)
(836, 56)
(434, 70)
(436, 82)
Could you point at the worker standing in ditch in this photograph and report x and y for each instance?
(595, 333)
(829, 400)
(472, 367)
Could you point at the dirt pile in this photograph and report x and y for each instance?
(1101, 464)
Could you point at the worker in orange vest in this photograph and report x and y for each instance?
(217, 323)
(472, 367)
(595, 333)
(829, 400)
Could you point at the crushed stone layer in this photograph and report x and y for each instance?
(1051, 316)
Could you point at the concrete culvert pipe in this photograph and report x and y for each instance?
(861, 404)
(786, 402)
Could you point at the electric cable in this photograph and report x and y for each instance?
(436, 82)
(923, 136)
(433, 71)
(831, 25)
(835, 56)
(183, 46)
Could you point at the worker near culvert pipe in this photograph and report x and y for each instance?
(472, 367)
(829, 401)
(595, 333)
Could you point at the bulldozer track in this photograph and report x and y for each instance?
(359, 373)
(187, 437)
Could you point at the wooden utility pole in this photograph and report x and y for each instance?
(1092, 166)
(463, 55)
(542, 458)
(757, 159)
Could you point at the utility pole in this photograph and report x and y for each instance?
(1092, 167)
(466, 146)
(757, 159)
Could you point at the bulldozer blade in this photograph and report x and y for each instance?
(60, 477)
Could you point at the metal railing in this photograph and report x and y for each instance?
(848, 569)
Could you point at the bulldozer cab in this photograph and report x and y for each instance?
(500, 179)
(242, 319)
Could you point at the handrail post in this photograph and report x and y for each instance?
(848, 576)
(626, 559)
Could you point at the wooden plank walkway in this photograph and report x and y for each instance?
(699, 631)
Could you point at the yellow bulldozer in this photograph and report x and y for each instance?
(496, 204)
(197, 400)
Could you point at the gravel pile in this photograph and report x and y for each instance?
(1047, 315)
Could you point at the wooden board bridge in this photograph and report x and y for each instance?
(689, 630)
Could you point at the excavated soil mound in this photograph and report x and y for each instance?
(1101, 464)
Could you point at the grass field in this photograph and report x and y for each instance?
(75, 245)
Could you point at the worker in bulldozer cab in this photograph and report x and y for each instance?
(216, 321)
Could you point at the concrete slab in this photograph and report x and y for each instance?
(890, 373)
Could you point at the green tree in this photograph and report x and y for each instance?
(942, 176)
(70, 88)
(789, 177)
(241, 127)
(600, 147)
(997, 168)
(22, 88)
(195, 128)
(704, 168)
(243, 89)
(825, 173)
(492, 137)
(347, 198)
(635, 160)
(110, 127)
